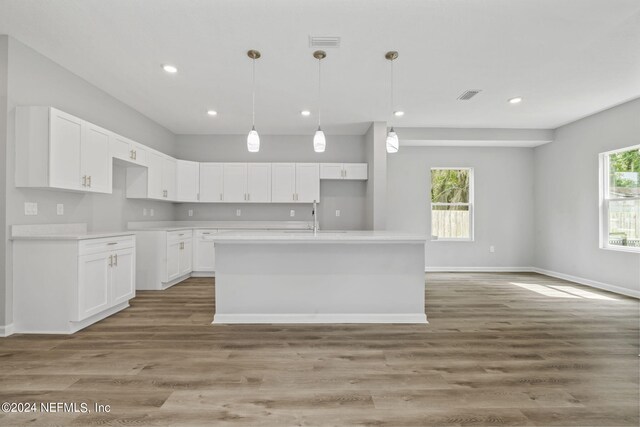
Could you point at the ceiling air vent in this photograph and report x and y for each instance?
(467, 95)
(324, 41)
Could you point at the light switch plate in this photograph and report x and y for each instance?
(190, 213)
(337, 212)
(60, 209)
(492, 249)
(238, 212)
(292, 212)
(144, 211)
(151, 213)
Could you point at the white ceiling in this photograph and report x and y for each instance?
(567, 58)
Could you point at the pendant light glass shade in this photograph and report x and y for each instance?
(319, 141)
(392, 141)
(253, 141)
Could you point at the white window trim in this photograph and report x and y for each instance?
(604, 201)
(472, 227)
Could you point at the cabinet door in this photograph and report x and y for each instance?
(187, 177)
(169, 178)
(154, 176)
(95, 161)
(123, 276)
(186, 257)
(93, 284)
(204, 253)
(307, 182)
(355, 171)
(139, 154)
(234, 182)
(211, 182)
(283, 182)
(331, 171)
(173, 260)
(259, 182)
(120, 148)
(64, 151)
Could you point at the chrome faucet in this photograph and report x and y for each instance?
(315, 218)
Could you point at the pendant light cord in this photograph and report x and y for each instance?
(391, 89)
(253, 95)
(319, 90)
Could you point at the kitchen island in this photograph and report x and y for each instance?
(328, 277)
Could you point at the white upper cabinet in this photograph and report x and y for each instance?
(125, 149)
(295, 182)
(354, 171)
(155, 181)
(283, 182)
(235, 182)
(188, 181)
(169, 175)
(211, 188)
(57, 150)
(307, 182)
(95, 161)
(259, 182)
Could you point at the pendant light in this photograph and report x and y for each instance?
(392, 138)
(319, 141)
(253, 139)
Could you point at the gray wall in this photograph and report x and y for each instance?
(503, 203)
(36, 80)
(347, 196)
(4, 48)
(567, 199)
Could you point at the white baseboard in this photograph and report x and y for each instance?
(203, 274)
(588, 282)
(478, 269)
(321, 318)
(6, 330)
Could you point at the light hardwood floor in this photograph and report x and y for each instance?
(500, 349)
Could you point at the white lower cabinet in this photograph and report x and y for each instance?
(204, 253)
(164, 258)
(76, 282)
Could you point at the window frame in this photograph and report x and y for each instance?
(603, 160)
(471, 206)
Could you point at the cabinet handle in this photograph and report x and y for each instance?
(198, 196)
(131, 154)
(112, 243)
(89, 180)
(220, 196)
(84, 180)
(249, 196)
(110, 260)
(115, 260)
(135, 155)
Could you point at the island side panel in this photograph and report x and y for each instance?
(352, 282)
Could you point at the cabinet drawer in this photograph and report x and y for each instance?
(94, 246)
(203, 234)
(174, 236)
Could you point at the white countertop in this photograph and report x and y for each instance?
(61, 232)
(323, 236)
(218, 225)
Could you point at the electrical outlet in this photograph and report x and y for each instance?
(292, 212)
(60, 209)
(238, 212)
(144, 211)
(492, 249)
(151, 213)
(337, 212)
(190, 213)
(30, 208)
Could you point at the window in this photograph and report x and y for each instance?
(452, 204)
(620, 199)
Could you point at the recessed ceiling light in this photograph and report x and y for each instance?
(212, 112)
(516, 100)
(305, 113)
(170, 68)
(398, 113)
